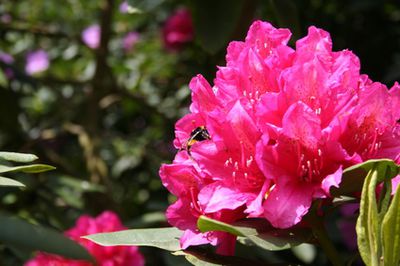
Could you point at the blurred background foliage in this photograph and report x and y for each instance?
(105, 117)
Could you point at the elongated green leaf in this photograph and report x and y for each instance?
(8, 182)
(353, 177)
(206, 224)
(3, 79)
(367, 222)
(258, 232)
(164, 238)
(21, 234)
(200, 257)
(391, 232)
(215, 21)
(32, 169)
(18, 157)
(143, 5)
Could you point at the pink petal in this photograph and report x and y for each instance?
(316, 41)
(190, 238)
(332, 180)
(178, 178)
(215, 197)
(287, 204)
(302, 124)
(265, 37)
(203, 98)
(179, 214)
(395, 184)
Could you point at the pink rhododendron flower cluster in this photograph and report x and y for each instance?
(105, 256)
(283, 123)
(178, 30)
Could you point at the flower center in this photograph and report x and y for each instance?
(309, 165)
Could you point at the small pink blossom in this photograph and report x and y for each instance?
(6, 18)
(7, 59)
(37, 61)
(91, 36)
(124, 7)
(130, 40)
(284, 123)
(178, 30)
(105, 256)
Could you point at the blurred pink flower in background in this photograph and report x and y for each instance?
(105, 256)
(123, 7)
(37, 61)
(6, 18)
(283, 124)
(129, 41)
(178, 30)
(7, 59)
(91, 36)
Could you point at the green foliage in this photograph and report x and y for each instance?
(22, 158)
(31, 169)
(199, 258)
(164, 238)
(374, 219)
(391, 232)
(3, 79)
(18, 157)
(258, 232)
(8, 182)
(25, 236)
(354, 176)
(144, 5)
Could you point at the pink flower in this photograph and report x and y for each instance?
(283, 125)
(91, 36)
(37, 61)
(178, 30)
(6, 18)
(7, 59)
(123, 7)
(105, 256)
(129, 41)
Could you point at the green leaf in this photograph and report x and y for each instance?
(199, 257)
(3, 79)
(138, 6)
(164, 238)
(23, 235)
(8, 182)
(367, 228)
(206, 224)
(215, 21)
(31, 169)
(391, 232)
(18, 157)
(353, 177)
(258, 232)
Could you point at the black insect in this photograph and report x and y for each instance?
(198, 134)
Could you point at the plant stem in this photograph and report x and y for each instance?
(324, 240)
